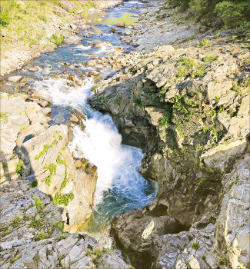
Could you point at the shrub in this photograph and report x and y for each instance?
(195, 245)
(56, 39)
(19, 169)
(34, 183)
(42, 235)
(38, 204)
(233, 14)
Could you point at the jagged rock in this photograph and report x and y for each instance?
(15, 79)
(72, 40)
(121, 24)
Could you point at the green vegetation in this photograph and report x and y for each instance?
(184, 69)
(216, 13)
(127, 18)
(37, 221)
(34, 184)
(101, 99)
(60, 226)
(3, 116)
(202, 180)
(97, 252)
(5, 165)
(15, 258)
(204, 43)
(38, 204)
(19, 169)
(195, 245)
(42, 235)
(57, 39)
(118, 100)
(26, 22)
(60, 237)
(223, 261)
(65, 181)
(94, 88)
(48, 180)
(51, 168)
(63, 199)
(16, 222)
(5, 233)
(199, 72)
(210, 59)
(46, 147)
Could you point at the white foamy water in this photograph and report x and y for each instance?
(101, 145)
(81, 47)
(64, 95)
(100, 141)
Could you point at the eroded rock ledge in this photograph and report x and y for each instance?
(188, 110)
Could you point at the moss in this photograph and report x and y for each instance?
(38, 204)
(19, 169)
(5, 165)
(51, 168)
(48, 180)
(204, 43)
(14, 259)
(60, 237)
(60, 226)
(97, 252)
(199, 72)
(42, 235)
(202, 180)
(223, 261)
(118, 100)
(195, 245)
(46, 147)
(184, 69)
(63, 199)
(3, 116)
(210, 59)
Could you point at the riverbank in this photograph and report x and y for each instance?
(30, 30)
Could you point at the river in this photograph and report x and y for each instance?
(120, 186)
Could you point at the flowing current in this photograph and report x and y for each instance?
(120, 186)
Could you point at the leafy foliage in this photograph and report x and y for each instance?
(231, 13)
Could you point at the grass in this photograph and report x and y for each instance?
(184, 69)
(42, 235)
(37, 222)
(26, 22)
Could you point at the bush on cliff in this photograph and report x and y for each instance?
(230, 13)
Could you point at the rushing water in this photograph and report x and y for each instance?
(120, 186)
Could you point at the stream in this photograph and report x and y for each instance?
(120, 187)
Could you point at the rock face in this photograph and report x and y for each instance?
(31, 234)
(188, 110)
(30, 148)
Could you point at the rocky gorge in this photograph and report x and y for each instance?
(185, 102)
